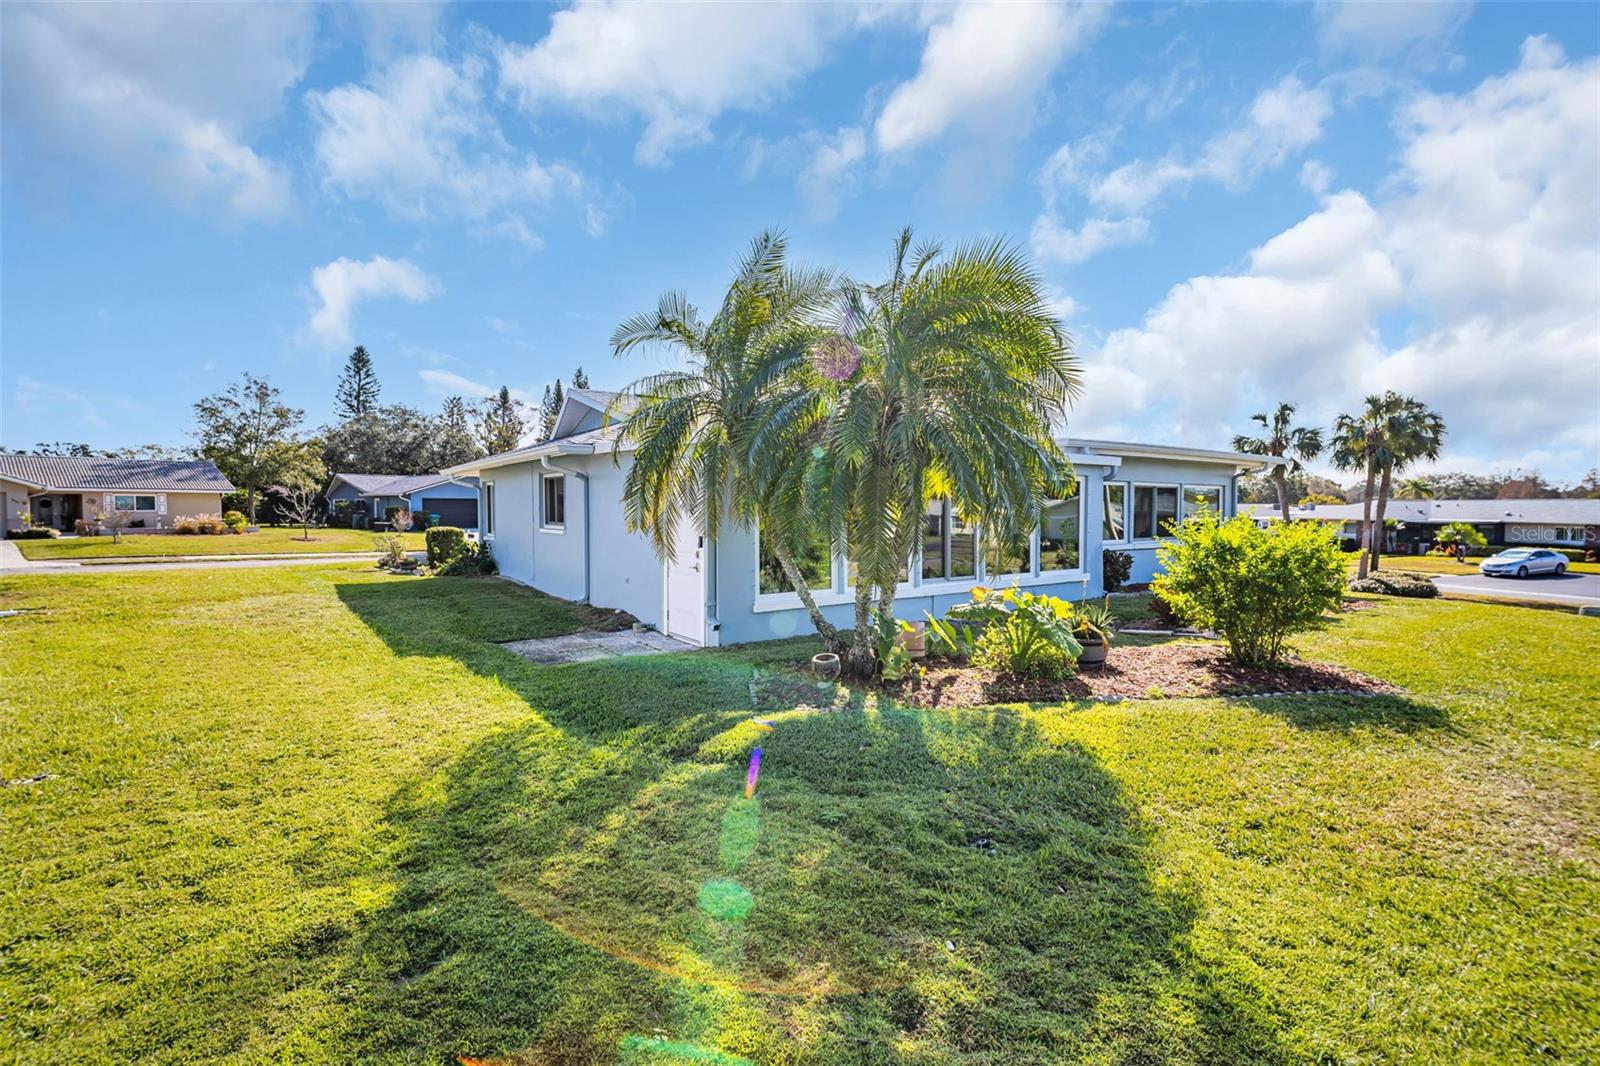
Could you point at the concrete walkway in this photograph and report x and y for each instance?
(589, 646)
(12, 561)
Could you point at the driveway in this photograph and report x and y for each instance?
(1577, 589)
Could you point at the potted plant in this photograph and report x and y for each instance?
(825, 666)
(1093, 630)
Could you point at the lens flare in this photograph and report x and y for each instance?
(753, 773)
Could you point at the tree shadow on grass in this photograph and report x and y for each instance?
(1398, 714)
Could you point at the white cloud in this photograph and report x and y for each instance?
(420, 140)
(1490, 245)
(982, 67)
(1381, 29)
(1057, 243)
(830, 165)
(1315, 176)
(1281, 120)
(678, 66)
(43, 400)
(343, 283)
(164, 93)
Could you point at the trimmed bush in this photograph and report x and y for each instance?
(235, 521)
(444, 544)
(1574, 555)
(473, 559)
(32, 533)
(1254, 586)
(1397, 583)
(1115, 568)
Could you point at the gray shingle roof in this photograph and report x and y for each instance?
(1538, 512)
(390, 484)
(72, 473)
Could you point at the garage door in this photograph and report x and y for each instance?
(462, 513)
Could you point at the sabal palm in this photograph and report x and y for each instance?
(1282, 438)
(1415, 488)
(1391, 429)
(1412, 432)
(688, 424)
(963, 374)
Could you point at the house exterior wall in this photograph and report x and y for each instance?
(13, 501)
(509, 528)
(177, 504)
(1163, 472)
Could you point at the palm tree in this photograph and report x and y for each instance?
(688, 424)
(1415, 488)
(1412, 432)
(1282, 439)
(1391, 432)
(963, 372)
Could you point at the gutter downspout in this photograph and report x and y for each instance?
(544, 461)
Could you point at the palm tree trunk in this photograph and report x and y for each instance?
(1379, 532)
(860, 662)
(1280, 481)
(1366, 517)
(825, 629)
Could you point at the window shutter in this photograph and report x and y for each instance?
(108, 505)
(161, 504)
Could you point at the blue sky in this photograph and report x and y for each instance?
(1232, 204)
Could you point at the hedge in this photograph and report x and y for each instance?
(444, 544)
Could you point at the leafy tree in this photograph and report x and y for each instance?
(358, 389)
(580, 380)
(1254, 586)
(1319, 497)
(1529, 485)
(387, 440)
(691, 425)
(243, 430)
(500, 422)
(453, 442)
(1283, 439)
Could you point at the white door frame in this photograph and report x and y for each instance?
(695, 541)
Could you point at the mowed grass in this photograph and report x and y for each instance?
(319, 816)
(270, 540)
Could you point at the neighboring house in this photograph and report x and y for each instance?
(372, 495)
(554, 514)
(59, 490)
(1551, 523)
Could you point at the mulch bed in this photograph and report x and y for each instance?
(1160, 671)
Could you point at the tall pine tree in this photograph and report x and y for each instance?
(358, 389)
(580, 380)
(500, 422)
(550, 410)
(453, 440)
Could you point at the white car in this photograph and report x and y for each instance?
(1520, 562)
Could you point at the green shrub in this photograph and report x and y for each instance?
(1115, 568)
(1026, 634)
(1397, 583)
(894, 660)
(473, 559)
(444, 544)
(32, 533)
(1254, 586)
(235, 521)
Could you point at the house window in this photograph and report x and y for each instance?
(814, 560)
(1009, 557)
(949, 544)
(555, 501)
(1061, 535)
(488, 508)
(1114, 524)
(1197, 496)
(1155, 508)
(136, 503)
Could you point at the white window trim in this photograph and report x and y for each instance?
(1151, 542)
(919, 580)
(834, 587)
(1038, 542)
(1127, 512)
(1220, 490)
(135, 509)
(487, 518)
(555, 529)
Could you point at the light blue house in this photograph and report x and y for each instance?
(553, 512)
(455, 501)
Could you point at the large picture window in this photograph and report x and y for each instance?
(1198, 497)
(1061, 535)
(554, 515)
(1155, 508)
(136, 503)
(1007, 557)
(1114, 525)
(814, 560)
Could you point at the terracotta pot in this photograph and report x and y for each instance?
(1094, 652)
(914, 641)
(825, 666)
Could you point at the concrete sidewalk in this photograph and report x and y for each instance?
(589, 645)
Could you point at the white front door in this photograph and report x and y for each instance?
(686, 585)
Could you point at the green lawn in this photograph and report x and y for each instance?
(270, 540)
(317, 815)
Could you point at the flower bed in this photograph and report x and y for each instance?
(1161, 671)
